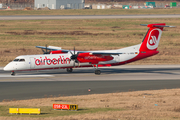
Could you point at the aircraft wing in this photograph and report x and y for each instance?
(52, 50)
(49, 48)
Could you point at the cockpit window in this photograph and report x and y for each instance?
(19, 60)
(16, 60)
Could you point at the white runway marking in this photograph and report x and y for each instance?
(25, 76)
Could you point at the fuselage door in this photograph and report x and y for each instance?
(32, 62)
(117, 58)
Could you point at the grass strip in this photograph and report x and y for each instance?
(47, 111)
(92, 12)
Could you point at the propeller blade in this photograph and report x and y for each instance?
(74, 57)
(70, 52)
(43, 51)
(46, 49)
(77, 54)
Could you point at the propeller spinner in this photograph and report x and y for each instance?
(74, 57)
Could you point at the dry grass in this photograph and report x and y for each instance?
(21, 37)
(152, 105)
(91, 12)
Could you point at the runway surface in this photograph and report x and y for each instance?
(46, 17)
(33, 84)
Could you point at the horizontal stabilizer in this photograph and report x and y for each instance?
(155, 25)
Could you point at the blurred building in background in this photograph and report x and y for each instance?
(16, 4)
(87, 4)
(59, 4)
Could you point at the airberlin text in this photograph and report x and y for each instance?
(53, 61)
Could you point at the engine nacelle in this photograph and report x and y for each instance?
(58, 52)
(93, 59)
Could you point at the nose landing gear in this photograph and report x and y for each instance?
(12, 73)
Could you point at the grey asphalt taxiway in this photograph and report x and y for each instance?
(38, 84)
(56, 17)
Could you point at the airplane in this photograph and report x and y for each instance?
(57, 58)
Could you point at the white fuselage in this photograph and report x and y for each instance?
(59, 61)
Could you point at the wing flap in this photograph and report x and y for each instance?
(103, 53)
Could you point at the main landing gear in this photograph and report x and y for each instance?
(69, 70)
(97, 72)
(12, 73)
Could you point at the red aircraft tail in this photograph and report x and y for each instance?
(152, 38)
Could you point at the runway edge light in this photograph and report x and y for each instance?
(65, 107)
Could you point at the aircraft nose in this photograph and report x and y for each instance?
(7, 67)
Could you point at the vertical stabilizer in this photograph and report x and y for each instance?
(152, 38)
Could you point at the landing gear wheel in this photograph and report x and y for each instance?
(12, 73)
(97, 72)
(69, 69)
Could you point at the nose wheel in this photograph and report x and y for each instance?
(12, 73)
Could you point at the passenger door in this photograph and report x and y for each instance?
(32, 63)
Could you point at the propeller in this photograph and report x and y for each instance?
(45, 52)
(74, 57)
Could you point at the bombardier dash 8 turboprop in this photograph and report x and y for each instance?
(61, 59)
